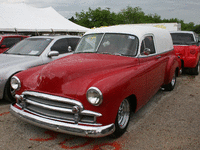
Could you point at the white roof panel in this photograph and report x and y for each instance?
(162, 37)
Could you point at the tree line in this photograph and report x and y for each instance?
(104, 17)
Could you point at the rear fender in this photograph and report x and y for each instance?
(171, 67)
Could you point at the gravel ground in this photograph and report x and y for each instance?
(170, 121)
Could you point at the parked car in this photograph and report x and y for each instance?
(186, 46)
(8, 40)
(113, 71)
(31, 52)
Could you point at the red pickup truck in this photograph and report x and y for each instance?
(186, 46)
(8, 40)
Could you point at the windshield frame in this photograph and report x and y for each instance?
(103, 35)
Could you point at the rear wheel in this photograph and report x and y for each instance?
(171, 85)
(195, 71)
(9, 93)
(122, 119)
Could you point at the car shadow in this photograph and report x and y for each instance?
(4, 102)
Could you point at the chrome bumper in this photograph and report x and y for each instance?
(74, 129)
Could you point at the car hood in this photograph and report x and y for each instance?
(77, 72)
(7, 60)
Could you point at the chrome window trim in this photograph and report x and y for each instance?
(151, 55)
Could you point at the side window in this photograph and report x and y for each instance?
(10, 41)
(73, 42)
(148, 43)
(61, 46)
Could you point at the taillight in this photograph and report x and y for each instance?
(193, 51)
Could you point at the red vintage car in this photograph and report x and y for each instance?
(8, 40)
(186, 46)
(113, 71)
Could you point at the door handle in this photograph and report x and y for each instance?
(158, 57)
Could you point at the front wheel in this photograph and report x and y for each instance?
(9, 93)
(122, 119)
(171, 85)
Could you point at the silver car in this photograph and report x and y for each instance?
(29, 53)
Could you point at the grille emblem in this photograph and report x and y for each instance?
(75, 109)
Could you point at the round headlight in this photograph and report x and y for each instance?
(15, 83)
(94, 96)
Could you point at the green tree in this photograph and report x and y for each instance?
(197, 29)
(132, 15)
(96, 18)
(103, 17)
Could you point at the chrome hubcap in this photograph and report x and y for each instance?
(173, 79)
(12, 91)
(123, 114)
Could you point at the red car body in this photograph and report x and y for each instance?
(8, 40)
(116, 77)
(186, 47)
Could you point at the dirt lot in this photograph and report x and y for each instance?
(169, 121)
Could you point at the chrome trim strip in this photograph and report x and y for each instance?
(84, 112)
(154, 54)
(53, 98)
(90, 113)
(74, 129)
(49, 107)
(59, 119)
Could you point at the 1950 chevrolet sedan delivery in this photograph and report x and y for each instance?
(113, 71)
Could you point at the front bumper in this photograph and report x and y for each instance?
(74, 129)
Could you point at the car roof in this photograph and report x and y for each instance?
(162, 37)
(127, 29)
(56, 36)
(13, 35)
(191, 32)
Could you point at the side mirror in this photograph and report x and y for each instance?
(69, 48)
(146, 51)
(53, 53)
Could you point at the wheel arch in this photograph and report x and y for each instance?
(7, 82)
(133, 102)
(177, 71)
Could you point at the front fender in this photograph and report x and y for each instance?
(117, 86)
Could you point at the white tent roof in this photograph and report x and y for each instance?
(25, 18)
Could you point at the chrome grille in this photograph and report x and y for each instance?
(56, 108)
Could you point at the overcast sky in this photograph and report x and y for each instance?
(186, 10)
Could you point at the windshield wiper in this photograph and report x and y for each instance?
(104, 53)
(83, 52)
(118, 54)
(15, 53)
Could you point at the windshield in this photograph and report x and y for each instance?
(182, 38)
(109, 43)
(32, 47)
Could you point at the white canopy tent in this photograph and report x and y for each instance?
(24, 18)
